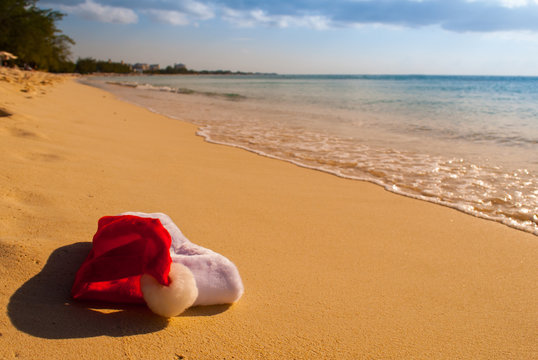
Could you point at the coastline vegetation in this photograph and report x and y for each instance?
(169, 70)
(90, 65)
(31, 34)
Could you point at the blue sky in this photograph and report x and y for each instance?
(484, 37)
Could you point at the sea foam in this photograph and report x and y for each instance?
(466, 143)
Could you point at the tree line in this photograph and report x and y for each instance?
(90, 65)
(31, 34)
(173, 70)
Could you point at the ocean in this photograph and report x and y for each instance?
(467, 142)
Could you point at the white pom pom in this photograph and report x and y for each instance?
(170, 300)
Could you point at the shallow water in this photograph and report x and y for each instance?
(470, 143)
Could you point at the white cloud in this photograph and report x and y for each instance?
(259, 17)
(109, 14)
(509, 3)
(168, 17)
(514, 3)
(239, 18)
(198, 9)
(453, 15)
(513, 36)
(317, 22)
(189, 10)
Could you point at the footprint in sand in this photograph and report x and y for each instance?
(23, 133)
(27, 198)
(46, 157)
(21, 126)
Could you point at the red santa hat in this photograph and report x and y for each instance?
(130, 262)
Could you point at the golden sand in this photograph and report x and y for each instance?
(333, 268)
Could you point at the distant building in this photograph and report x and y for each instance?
(140, 67)
(180, 66)
(154, 67)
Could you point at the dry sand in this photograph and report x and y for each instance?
(333, 268)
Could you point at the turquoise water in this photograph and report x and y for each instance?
(470, 143)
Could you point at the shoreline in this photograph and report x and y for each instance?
(512, 220)
(333, 268)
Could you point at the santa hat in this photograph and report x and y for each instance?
(144, 258)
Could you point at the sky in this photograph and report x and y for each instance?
(453, 37)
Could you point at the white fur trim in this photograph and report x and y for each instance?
(171, 300)
(217, 278)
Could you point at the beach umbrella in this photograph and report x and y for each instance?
(6, 55)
